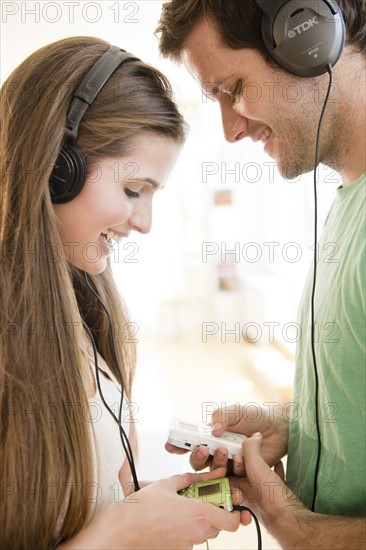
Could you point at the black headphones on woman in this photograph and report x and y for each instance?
(69, 173)
(303, 36)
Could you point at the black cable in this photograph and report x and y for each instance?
(317, 464)
(259, 534)
(112, 340)
(123, 436)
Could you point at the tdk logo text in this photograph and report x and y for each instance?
(303, 27)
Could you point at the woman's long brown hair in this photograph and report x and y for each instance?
(45, 434)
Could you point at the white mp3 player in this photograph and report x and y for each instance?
(189, 435)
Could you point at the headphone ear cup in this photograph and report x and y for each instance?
(303, 36)
(68, 175)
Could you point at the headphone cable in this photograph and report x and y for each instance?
(317, 464)
(124, 439)
(257, 526)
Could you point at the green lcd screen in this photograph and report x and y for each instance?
(209, 489)
(215, 492)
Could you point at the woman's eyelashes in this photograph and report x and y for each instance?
(132, 194)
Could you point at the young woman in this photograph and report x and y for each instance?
(88, 135)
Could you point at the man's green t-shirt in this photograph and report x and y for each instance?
(340, 350)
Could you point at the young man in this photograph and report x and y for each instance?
(323, 503)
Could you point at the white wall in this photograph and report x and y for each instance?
(169, 288)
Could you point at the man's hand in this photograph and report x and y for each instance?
(264, 490)
(244, 420)
(293, 525)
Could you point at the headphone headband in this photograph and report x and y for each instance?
(91, 85)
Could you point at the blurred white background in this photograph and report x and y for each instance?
(226, 258)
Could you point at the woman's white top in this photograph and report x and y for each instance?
(108, 451)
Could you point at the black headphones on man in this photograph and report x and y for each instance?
(303, 36)
(70, 170)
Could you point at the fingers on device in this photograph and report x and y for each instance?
(188, 435)
(215, 491)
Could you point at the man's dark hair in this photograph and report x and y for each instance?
(239, 24)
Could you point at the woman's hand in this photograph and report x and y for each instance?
(157, 518)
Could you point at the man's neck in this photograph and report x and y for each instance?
(353, 83)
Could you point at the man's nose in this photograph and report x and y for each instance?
(235, 126)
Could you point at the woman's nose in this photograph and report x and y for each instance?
(141, 218)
